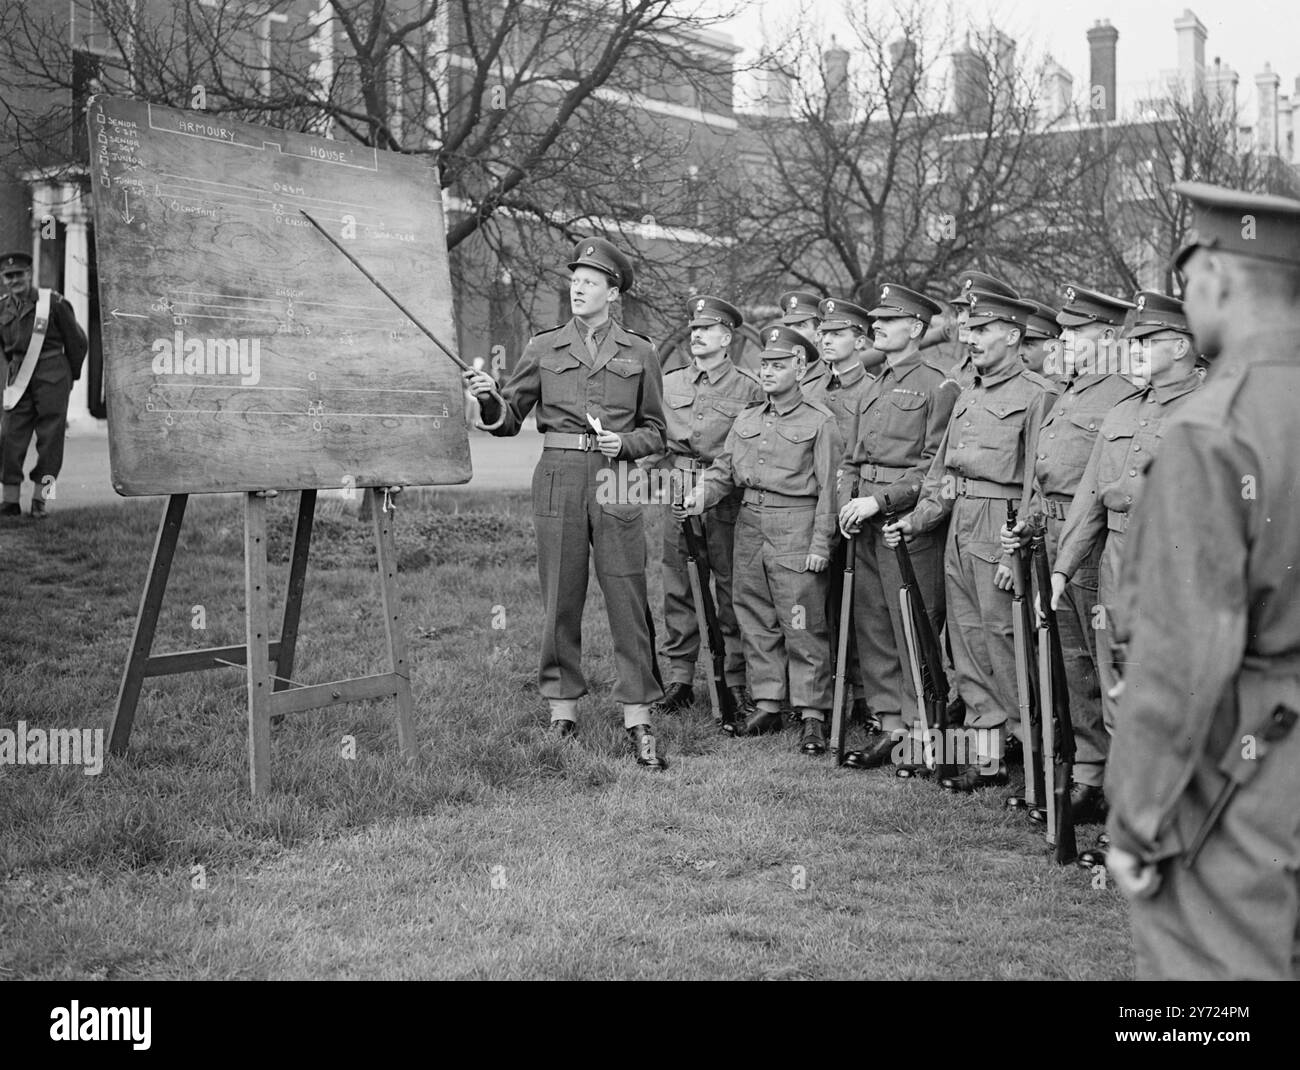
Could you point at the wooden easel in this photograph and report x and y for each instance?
(270, 694)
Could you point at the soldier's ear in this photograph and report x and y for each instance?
(727, 343)
(918, 329)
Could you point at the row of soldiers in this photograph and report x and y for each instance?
(911, 418)
(962, 430)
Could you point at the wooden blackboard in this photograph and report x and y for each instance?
(241, 351)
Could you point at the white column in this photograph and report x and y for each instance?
(76, 288)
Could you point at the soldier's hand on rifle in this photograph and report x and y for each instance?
(1015, 538)
(1058, 588)
(816, 563)
(480, 384)
(1003, 578)
(1135, 879)
(896, 532)
(856, 512)
(686, 507)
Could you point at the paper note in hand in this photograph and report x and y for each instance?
(595, 423)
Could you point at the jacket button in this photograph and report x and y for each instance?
(1128, 498)
(1137, 449)
(1132, 471)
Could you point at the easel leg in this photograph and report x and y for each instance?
(293, 597)
(160, 566)
(257, 616)
(386, 548)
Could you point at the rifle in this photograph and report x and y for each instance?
(706, 617)
(1023, 627)
(839, 723)
(1058, 729)
(928, 677)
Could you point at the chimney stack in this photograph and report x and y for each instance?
(1004, 57)
(1191, 52)
(1057, 92)
(776, 93)
(1101, 43)
(835, 69)
(1266, 129)
(970, 78)
(1221, 87)
(902, 79)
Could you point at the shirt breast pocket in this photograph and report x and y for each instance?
(561, 378)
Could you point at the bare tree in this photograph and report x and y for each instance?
(547, 119)
(909, 155)
(1124, 211)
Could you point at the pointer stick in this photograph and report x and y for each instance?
(402, 308)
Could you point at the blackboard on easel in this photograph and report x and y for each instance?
(242, 352)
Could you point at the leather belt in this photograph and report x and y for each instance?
(1056, 508)
(1116, 521)
(773, 500)
(560, 440)
(687, 463)
(878, 473)
(983, 488)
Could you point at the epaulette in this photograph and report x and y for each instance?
(934, 367)
(1047, 384)
(813, 404)
(548, 330)
(759, 401)
(644, 337)
(747, 374)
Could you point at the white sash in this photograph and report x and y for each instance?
(15, 390)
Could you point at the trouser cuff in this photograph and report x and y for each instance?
(636, 713)
(1089, 773)
(563, 709)
(812, 715)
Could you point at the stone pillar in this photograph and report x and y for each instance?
(76, 288)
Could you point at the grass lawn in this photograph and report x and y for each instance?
(499, 853)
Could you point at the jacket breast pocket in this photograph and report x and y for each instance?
(562, 376)
(794, 447)
(1082, 432)
(1114, 456)
(622, 386)
(1000, 426)
(904, 418)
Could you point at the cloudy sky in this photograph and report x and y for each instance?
(1244, 33)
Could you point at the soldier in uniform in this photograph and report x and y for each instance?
(44, 347)
(701, 402)
(980, 466)
(963, 368)
(599, 396)
(1212, 685)
(1040, 347)
(783, 453)
(854, 363)
(800, 310)
(900, 424)
(1094, 387)
(1130, 435)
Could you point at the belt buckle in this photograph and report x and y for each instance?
(588, 442)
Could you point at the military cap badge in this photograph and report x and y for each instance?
(1142, 302)
(775, 333)
(830, 306)
(974, 300)
(589, 250)
(794, 302)
(884, 292)
(1069, 293)
(699, 306)
(966, 284)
